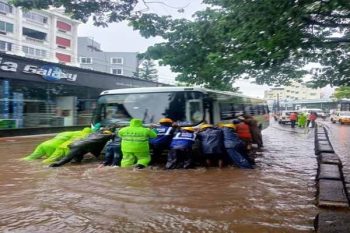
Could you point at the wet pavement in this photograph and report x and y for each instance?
(277, 196)
(340, 138)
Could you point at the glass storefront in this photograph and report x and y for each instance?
(26, 104)
(37, 94)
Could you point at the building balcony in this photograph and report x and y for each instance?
(35, 41)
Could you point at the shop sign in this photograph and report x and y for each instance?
(50, 72)
(47, 72)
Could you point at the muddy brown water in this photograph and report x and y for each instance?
(277, 196)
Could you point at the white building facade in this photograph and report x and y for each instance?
(47, 35)
(119, 63)
(296, 91)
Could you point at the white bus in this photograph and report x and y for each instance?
(188, 106)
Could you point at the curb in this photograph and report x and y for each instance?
(331, 189)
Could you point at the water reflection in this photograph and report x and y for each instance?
(278, 196)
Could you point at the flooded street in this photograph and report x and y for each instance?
(277, 196)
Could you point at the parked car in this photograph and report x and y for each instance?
(341, 116)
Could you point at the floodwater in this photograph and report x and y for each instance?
(277, 196)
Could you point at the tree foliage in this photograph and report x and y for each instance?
(268, 40)
(148, 71)
(342, 92)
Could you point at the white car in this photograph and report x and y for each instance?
(342, 117)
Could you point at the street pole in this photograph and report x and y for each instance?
(278, 102)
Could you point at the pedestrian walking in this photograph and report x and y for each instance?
(302, 120)
(311, 119)
(293, 119)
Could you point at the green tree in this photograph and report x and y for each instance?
(268, 40)
(342, 92)
(148, 71)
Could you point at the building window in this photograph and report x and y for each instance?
(33, 52)
(6, 27)
(35, 17)
(85, 60)
(5, 8)
(34, 34)
(62, 42)
(63, 57)
(117, 71)
(64, 27)
(5, 46)
(116, 60)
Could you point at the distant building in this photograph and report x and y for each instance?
(47, 35)
(92, 57)
(296, 91)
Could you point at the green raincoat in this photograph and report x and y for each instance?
(135, 143)
(302, 120)
(47, 148)
(63, 149)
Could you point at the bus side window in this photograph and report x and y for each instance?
(249, 109)
(267, 110)
(238, 109)
(258, 110)
(194, 111)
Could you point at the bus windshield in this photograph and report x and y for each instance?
(185, 108)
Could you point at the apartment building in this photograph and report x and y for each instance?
(47, 35)
(119, 63)
(296, 91)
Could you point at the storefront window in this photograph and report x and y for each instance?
(30, 104)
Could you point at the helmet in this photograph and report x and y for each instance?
(188, 129)
(232, 126)
(204, 126)
(165, 120)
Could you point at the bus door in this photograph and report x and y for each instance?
(194, 111)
